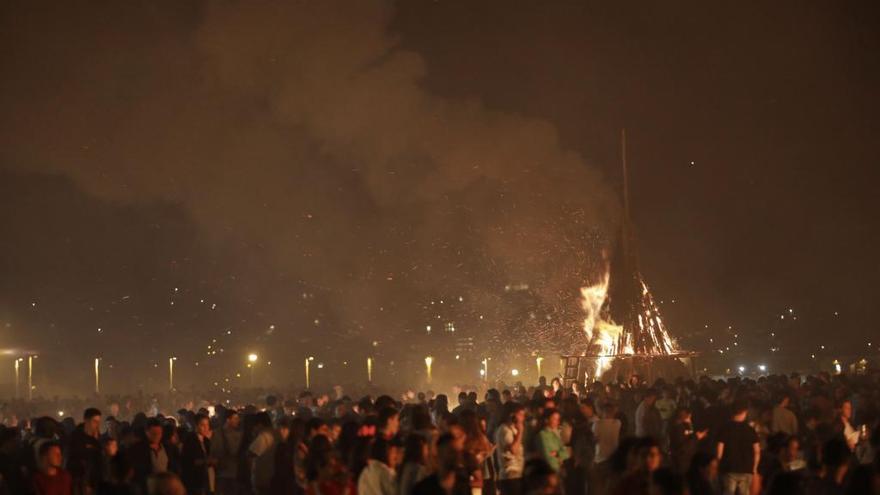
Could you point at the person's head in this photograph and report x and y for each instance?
(389, 421)
(165, 484)
(110, 447)
(233, 419)
(462, 397)
(202, 425)
(506, 396)
(317, 426)
(472, 397)
(551, 418)
(514, 413)
(542, 381)
(783, 400)
(645, 455)
(539, 478)
(153, 431)
(739, 410)
(587, 409)
(458, 437)
(50, 455)
(415, 449)
(92, 421)
(845, 408)
(683, 415)
(792, 448)
(385, 451)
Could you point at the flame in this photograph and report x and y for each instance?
(608, 339)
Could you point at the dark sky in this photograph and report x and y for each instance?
(315, 177)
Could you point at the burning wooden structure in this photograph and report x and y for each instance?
(626, 333)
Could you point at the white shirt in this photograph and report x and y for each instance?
(377, 479)
(510, 460)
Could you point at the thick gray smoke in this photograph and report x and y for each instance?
(299, 132)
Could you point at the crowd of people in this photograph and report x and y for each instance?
(776, 434)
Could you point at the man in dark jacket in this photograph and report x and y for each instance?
(197, 465)
(150, 456)
(84, 453)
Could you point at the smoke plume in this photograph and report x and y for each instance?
(298, 134)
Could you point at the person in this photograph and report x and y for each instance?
(379, 477)
(448, 478)
(225, 447)
(51, 479)
(324, 472)
(261, 454)
(149, 456)
(165, 484)
(784, 420)
(509, 453)
(702, 475)
(196, 463)
(464, 404)
(667, 406)
(84, 457)
(539, 478)
(648, 419)
(843, 424)
(738, 451)
(835, 468)
(415, 462)
(550, 445)
(607, 433)
(683, 440)
(288, 475)
(389, 422)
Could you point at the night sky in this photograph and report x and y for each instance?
(314, 178)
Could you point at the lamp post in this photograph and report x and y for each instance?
(538, 361)
(370, 370)
(17, 376)
(97, 376)
(171, 373)
(308, 366)
(252, 364)
(31, 377)
(485, 369)
(429, 360)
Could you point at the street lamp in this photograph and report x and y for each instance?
(31, 376)
(308, 365)
(485, 372)
(514, 372)
(429, 360)
(17, 374)
(171, 373)
(252, 364)
(538, 361)
(97, 376)
(369, 370)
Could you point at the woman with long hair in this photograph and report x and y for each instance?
(415, 462)
(325, 473)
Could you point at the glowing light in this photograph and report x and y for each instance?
(252, 357)
(60, 414)
(762, 367)
(429, 360)
(742, 369)
(514, 372)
